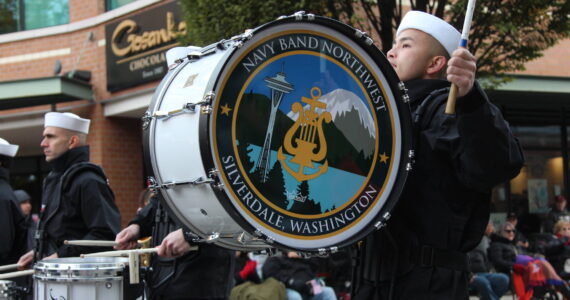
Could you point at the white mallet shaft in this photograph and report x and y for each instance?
(450, 107)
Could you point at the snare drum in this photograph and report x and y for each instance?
(90, 278)
(7, 290)
(296, 134)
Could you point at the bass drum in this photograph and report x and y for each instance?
(296, 134)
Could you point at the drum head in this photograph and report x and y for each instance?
(310, 134)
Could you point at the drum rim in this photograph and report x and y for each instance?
(404, 114)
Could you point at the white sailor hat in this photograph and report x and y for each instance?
(68, 121)
(7, 149)
(444, 33)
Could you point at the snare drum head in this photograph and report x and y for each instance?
(309, 133)
(75, 267)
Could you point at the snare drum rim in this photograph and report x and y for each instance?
(405, 124)
(73, 269)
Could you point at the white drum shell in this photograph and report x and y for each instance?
(176, 157)
(93, 278)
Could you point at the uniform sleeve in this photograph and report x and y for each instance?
(145, 218)
(100, 215)
(7, 234)
(478, 141)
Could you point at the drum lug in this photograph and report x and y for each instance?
(261, 235)
(238, 40)
(300, 14)
(382, 223)
(363, 35)
(151, 184)
(146, 118)
(213, 174)
(206, 107)
(409, 167)
(208, 240)
(412, 154)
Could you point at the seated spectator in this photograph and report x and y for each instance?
(490, 286)
(520, 239)
(509, 258)
(558, 250)
(299, 276)
(558, 212)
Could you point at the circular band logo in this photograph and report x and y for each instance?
(303, 134)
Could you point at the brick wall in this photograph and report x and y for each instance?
(115, 143)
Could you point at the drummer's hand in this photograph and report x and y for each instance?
(461, 70)
(127, 238)
(173, 245)
(53, 256)
(26, 260)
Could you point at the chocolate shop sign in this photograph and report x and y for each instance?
(136, 46)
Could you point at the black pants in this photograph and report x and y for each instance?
(422, 283)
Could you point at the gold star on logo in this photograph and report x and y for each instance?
(384, 157)
(226, 109)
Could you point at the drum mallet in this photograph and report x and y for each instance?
(16, 274)
(9, 267)
(450, 107)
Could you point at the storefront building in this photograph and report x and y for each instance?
(103, 60)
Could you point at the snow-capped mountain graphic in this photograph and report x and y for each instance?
(350, 116)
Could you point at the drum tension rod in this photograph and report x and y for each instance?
(186, 108)
(197, 181)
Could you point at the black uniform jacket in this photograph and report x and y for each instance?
(446, 200)
(83, 210)
(503, 254)
(203, 274)
(12, 223)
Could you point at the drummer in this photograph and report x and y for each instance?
(12, 222)
(178, 272)
(77, 202)
(444, 208)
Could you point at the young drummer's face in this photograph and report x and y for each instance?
(410, 54)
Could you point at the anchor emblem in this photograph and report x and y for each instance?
(301, 139)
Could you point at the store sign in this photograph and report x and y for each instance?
(136, 46)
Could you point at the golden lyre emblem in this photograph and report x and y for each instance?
(305, 137)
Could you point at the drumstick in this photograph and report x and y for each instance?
(9, 267)
(97, 243)
(120, 252)
(16, 274)
(450, 107)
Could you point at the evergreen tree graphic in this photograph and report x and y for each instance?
(303, 204)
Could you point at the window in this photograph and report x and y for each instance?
(19, 15)
(541, 179)
(112, 4)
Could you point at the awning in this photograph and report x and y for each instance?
(39, 91)
(534, 99)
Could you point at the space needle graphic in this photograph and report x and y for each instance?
(279, 87)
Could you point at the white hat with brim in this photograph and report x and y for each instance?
(8, 149)
(444, 33)
(67, 121)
